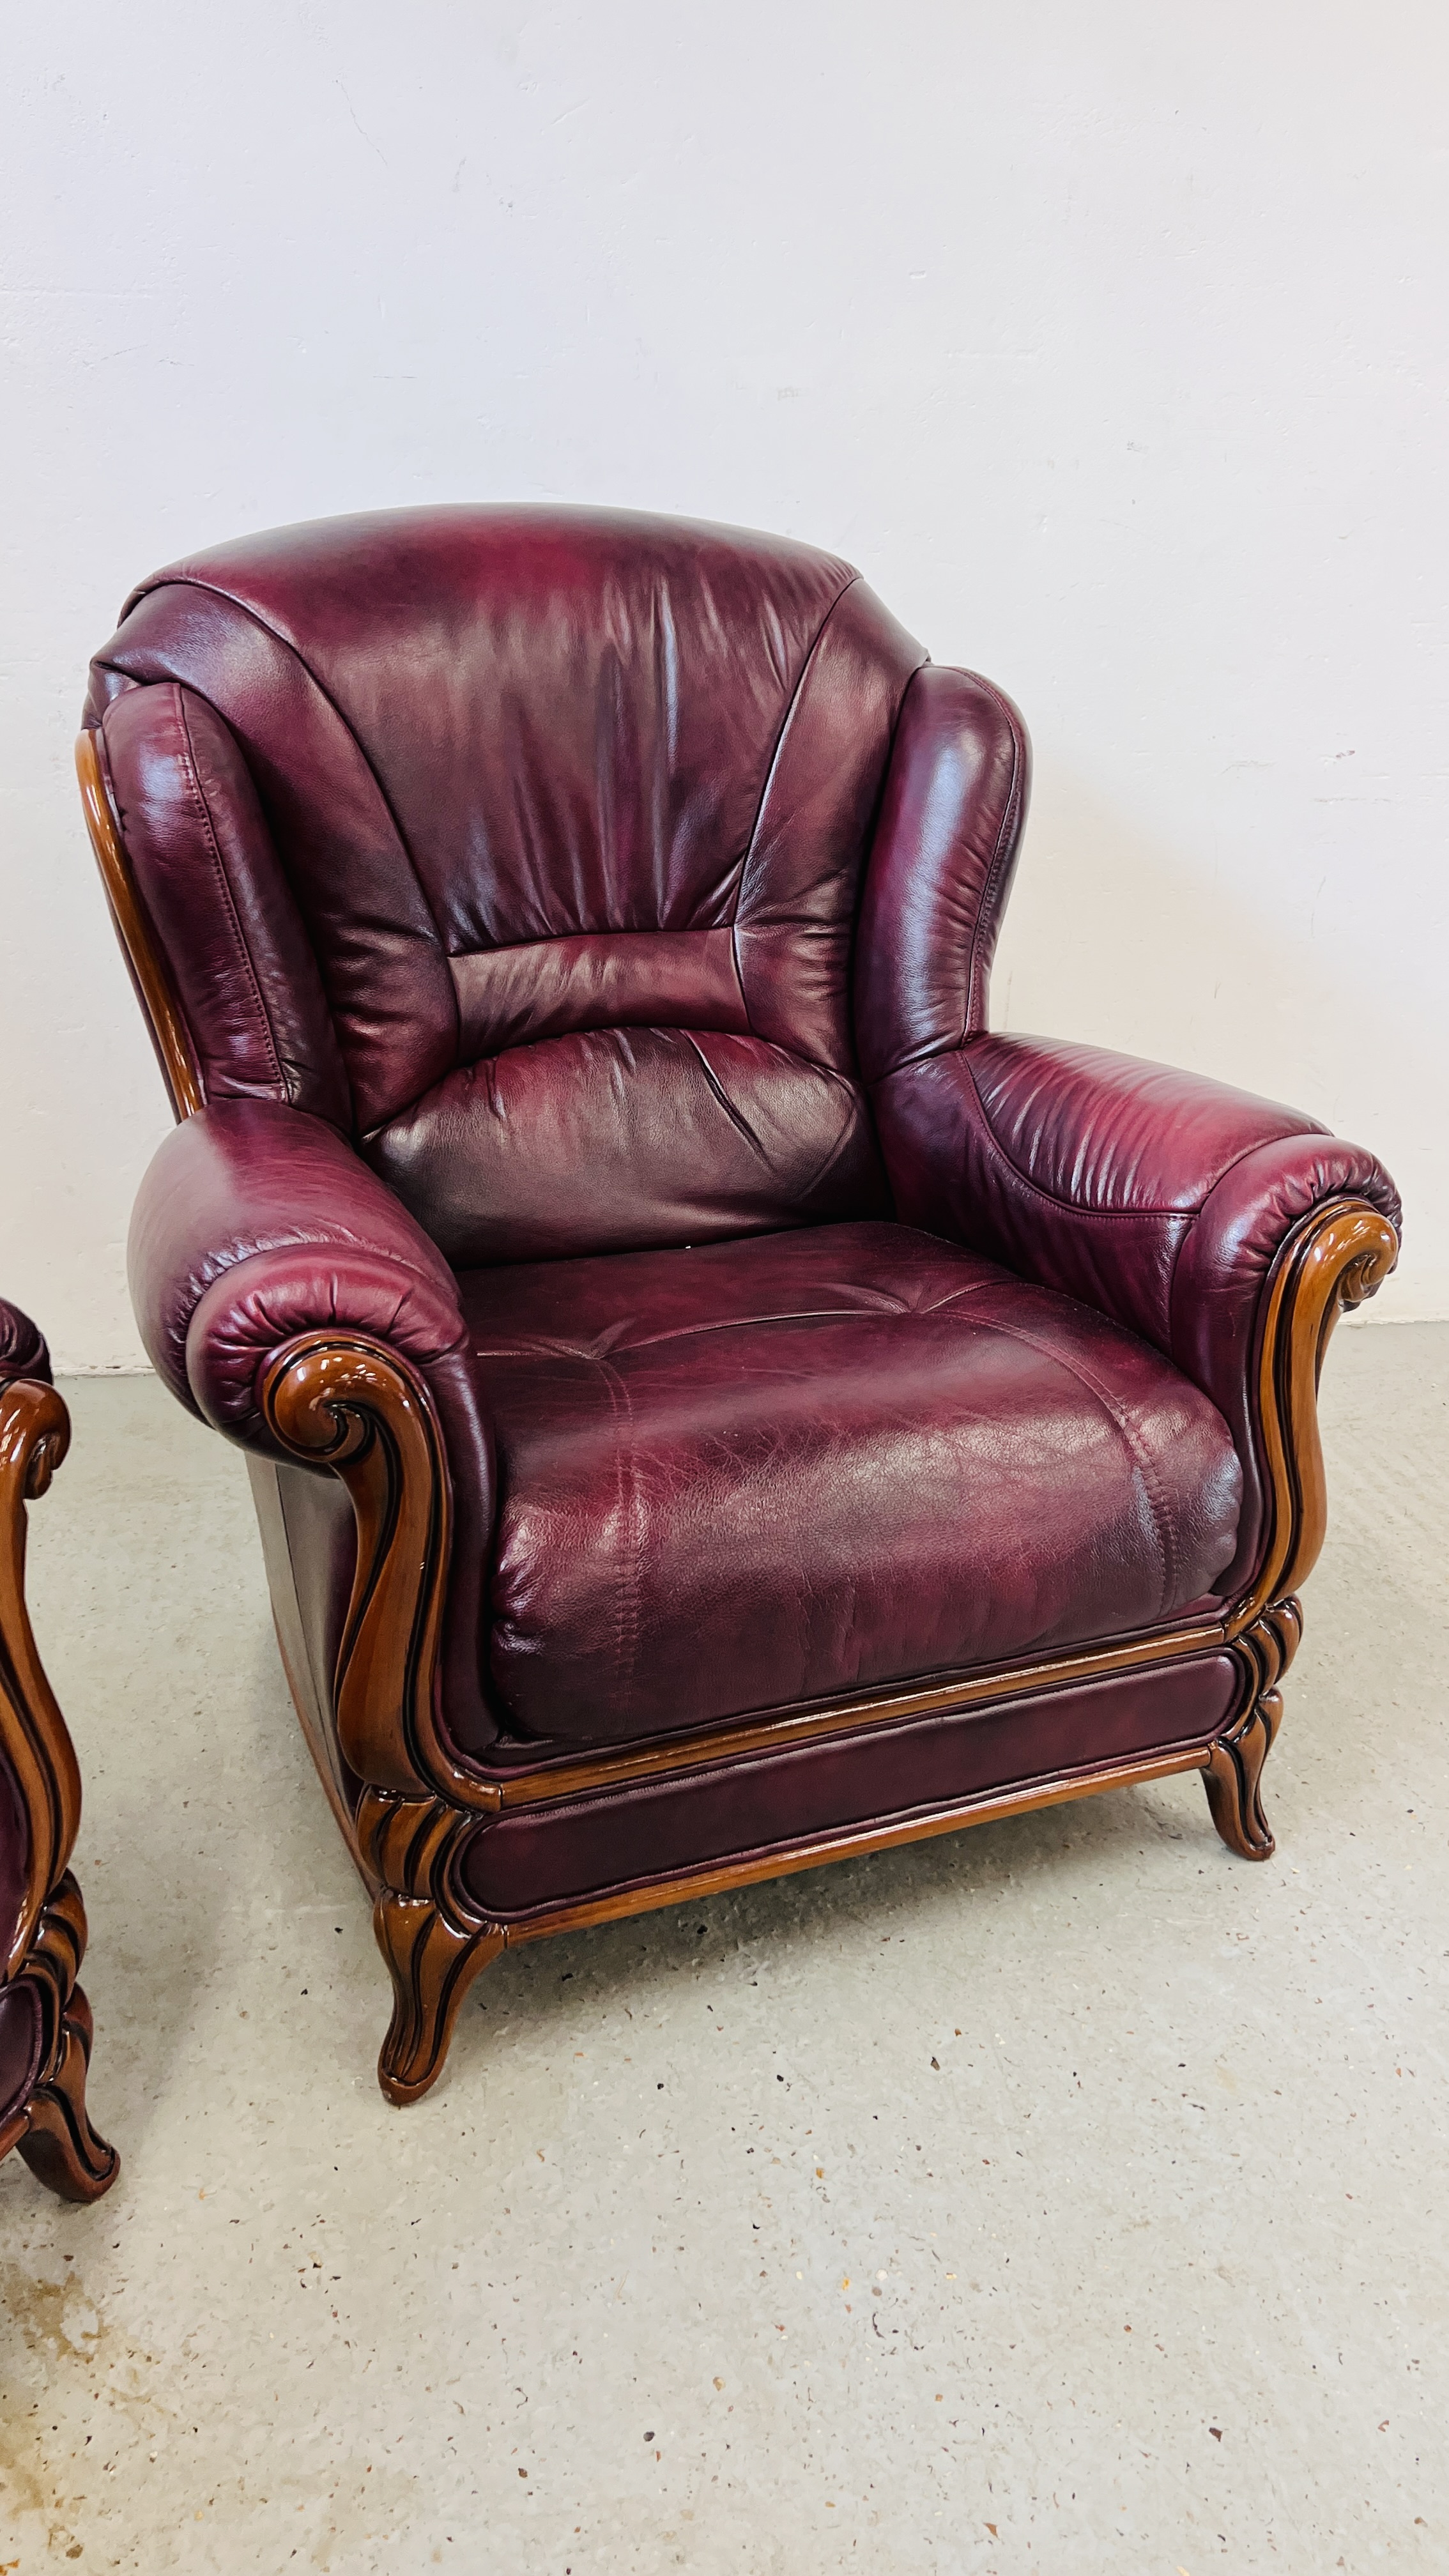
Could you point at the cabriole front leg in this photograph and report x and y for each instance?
(351, 1405)
(1235, 1764)
(58, 2142)
(433, 1943)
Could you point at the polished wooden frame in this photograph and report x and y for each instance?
(52, 2127)
(341, 1401)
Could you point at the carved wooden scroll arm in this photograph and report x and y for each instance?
(346, 1402)
(1339, 1255)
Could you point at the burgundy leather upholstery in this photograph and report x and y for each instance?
(599, 783)
(22, 1347)
(256, 1222)
(798, 1465)
(584, 924)
(1155, 1196)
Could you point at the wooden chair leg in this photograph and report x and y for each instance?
(433, 1944)
(1231, 1780)
(1235, 1765)
(432, 1963)
(60, 2145)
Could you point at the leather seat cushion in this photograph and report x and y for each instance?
(763, 1472)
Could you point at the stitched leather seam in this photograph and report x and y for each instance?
(774, 760)
(626, 1611)
(218, 1266)
(513, 947)
(1078, 1207)
(849, 1134)
(214, 590)
(698, 1011)
(1131, 1441)
(532, 1354)
(852, 961)
(193, 780)
(1005, 840)
(1200, 1211)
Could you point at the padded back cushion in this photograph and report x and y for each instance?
(527, 844)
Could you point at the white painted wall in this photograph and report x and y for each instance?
(1110, 342)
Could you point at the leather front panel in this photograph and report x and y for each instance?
(579, 1849)
(769, 1472)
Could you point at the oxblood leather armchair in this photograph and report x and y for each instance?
(712, 1405)
(45, 2020)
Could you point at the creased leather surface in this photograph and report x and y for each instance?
(537, 1153)
(636, 979)
(769, 1471)
(219, 905)
(1156, 1196)
(941, 866)
(470, 731)
(565, 860)
(255, 1223)
(691, 1820)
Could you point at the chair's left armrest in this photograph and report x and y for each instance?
(1159, 1197)
(285, 1293)
(256, 1223)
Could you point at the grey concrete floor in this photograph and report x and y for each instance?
(1063, 2196)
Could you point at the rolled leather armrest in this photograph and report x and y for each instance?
(255, 1223)
(1156, 1196)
